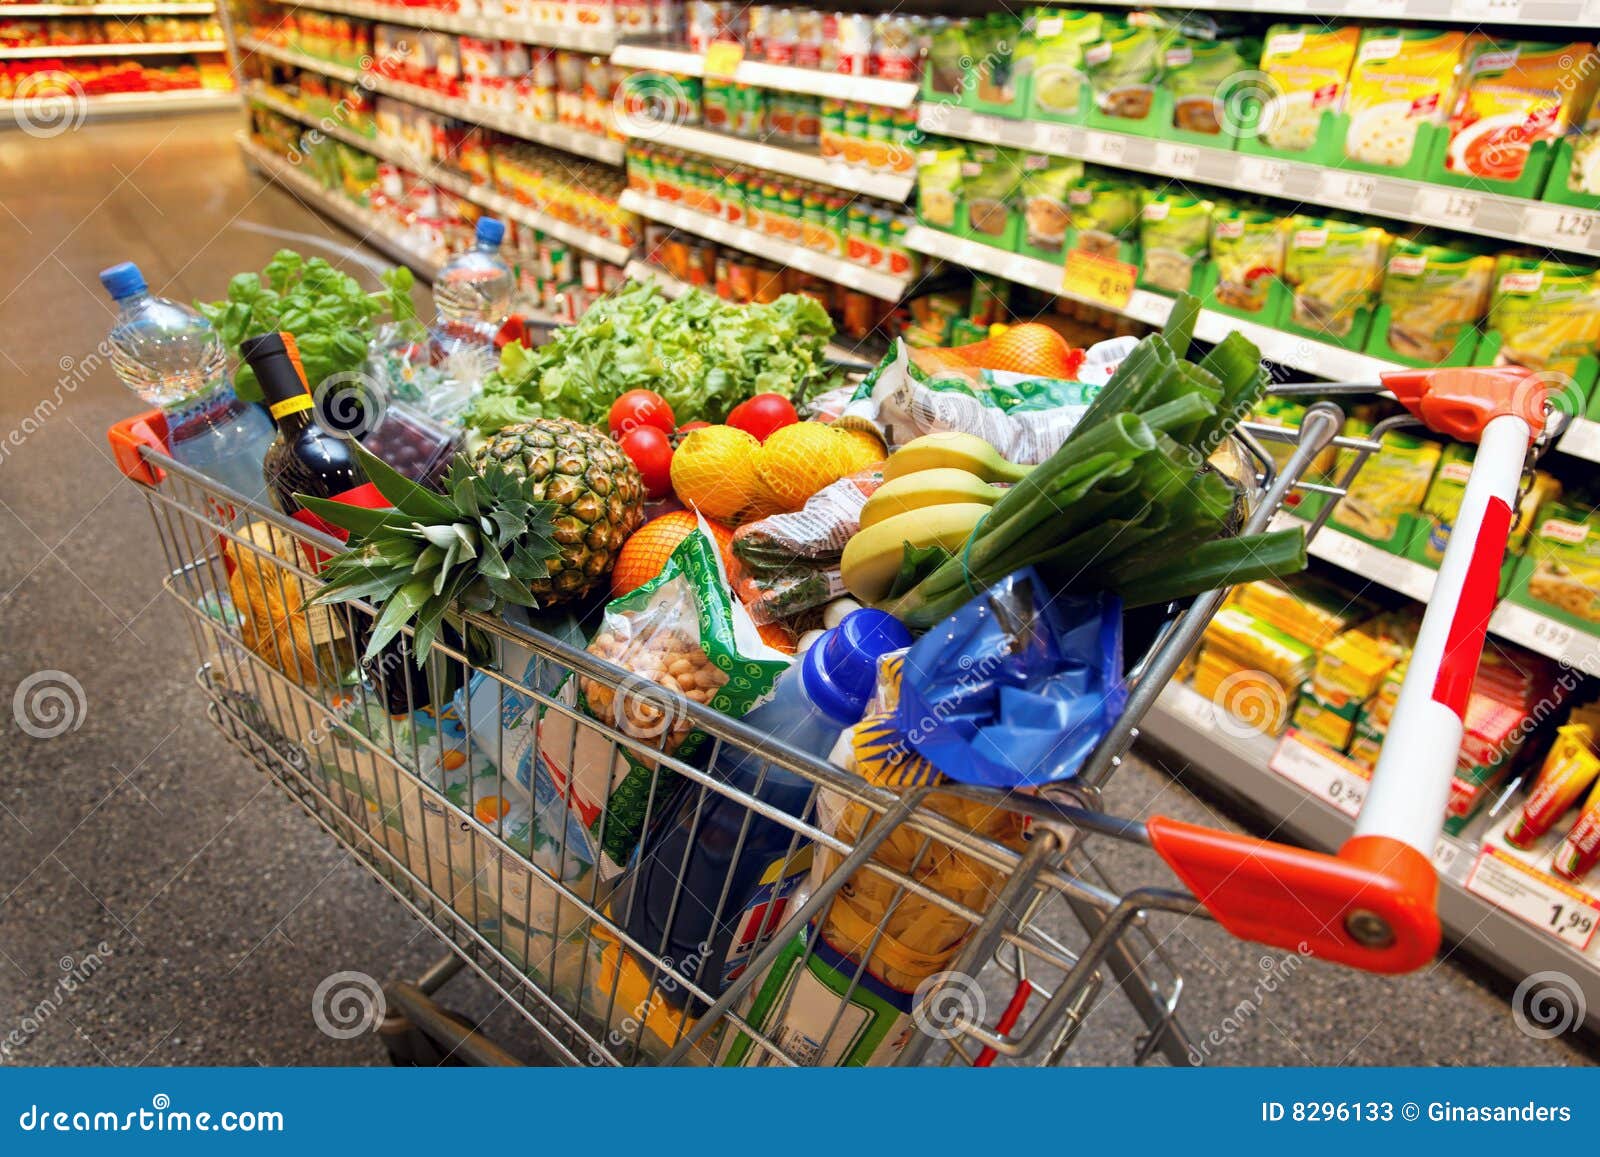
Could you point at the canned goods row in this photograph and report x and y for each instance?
(824, 220)
(853, 43)
(557, 282)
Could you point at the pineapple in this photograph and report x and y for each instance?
(595, 490)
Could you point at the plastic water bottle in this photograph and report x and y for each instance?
(474, 289)
(692, 849)
(170, 356)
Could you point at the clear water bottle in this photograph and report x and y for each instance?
(170, 356)
(706, 845)
(473, 291)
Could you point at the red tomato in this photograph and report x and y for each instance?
(652, 454)
(762, 415)
(638, 408)
(687, 426)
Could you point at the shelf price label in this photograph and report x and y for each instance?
(1447, 206)
(1262, 174)
(1098, 279)
(1177, 160)
(722, 59)
(1106, 147)
(1354, 190)
(1331, 779)
(1572, 228)
(1556, 909)
(1392, 571)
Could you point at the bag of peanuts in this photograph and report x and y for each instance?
(681, 636)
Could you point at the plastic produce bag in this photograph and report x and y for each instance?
(682, 631)
(788, 563)
(1015, 688)
(1024, 417)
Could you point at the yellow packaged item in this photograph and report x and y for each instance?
(1333, 269)
(1249, 695)
(1247, 249)
(1304, 607)
(1402, 79)
(1433, 293)
(1253, 644)
(1350, 669)
(1328, 726)
(1307, 66)
(1511, 96)
(1392, 483)
(1547, 313)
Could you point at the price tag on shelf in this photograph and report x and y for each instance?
(1352, 190)
(1194, 707)
(1568, 227)
(1582, 439)
(1446, 207)
(1176, 160)
(1574, 647)
(1262, 174)
(722, 59)
(1106, 147)
(1098, 279)
(1336, 781)
(1390, 570)
(1555, 908)
(1448, 859)
(1489, 9)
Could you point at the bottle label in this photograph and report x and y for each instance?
(291, 406)
(366, 495)
(765, 909)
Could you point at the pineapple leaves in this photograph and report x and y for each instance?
(481, 543)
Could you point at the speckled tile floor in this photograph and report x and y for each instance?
(221, 904)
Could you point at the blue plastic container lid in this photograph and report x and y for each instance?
(840, 669)
(123, 280)
(491, 231)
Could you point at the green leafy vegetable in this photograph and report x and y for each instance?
(703, 354)
(328, 312)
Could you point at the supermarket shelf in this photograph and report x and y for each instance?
(880, 285)
(62, 51)
(1582, 439)
(371, 228)
(1513, 218)
(555, 135)
(813, 81)
(790, 162)
(17, 113)
(556, 36)
(457, 183)
(673, 287)
(153, 9)
(1226, 758)
(1516, 624)
(1313, 357)
(1570, 13)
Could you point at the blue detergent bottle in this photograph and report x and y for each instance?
(812, 703)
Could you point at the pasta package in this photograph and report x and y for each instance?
(1433, 293)
(1402, 79)
(1546, 313)
(1513, 95)
(1247, 250)
(1333, 269)
(1307, 67)
(1565, 548)
(1583, 174)
(1174, 235)
(1393, 482)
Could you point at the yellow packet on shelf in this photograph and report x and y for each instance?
(1307, 66)
(1401, 80)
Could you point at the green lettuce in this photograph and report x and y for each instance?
(702, 354)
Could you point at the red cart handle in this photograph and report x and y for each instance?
(1374, 904)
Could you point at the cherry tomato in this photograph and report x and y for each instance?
(638, 408)
(687, 426)
(652, 454)
(762, 415)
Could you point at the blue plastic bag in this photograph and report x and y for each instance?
(1015, 689)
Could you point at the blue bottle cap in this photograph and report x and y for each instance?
(491, 231)
(123, 280)
(840, 669)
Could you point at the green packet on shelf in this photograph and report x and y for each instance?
(1174, 236)
(1247, 250)
(1042, 195)
(1392, 483)
(1197, 74)
(1564, 546)
(1333, 269)
(1432, 294)
(1547, 313)
(1105, 211)
(1059, 39)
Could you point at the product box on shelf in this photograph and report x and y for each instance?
(1331, 271)
(1305, 68)
(1575, 169)
(1174, 240)
(1397, 100)
(1381, 506)
(1000, 75)
(1432, 298)
(1058, 87)
(1545, 314)
(1559, 575)
(1243, 275)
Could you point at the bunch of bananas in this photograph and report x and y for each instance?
(936, 489)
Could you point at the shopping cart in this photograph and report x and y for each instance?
(415, 776)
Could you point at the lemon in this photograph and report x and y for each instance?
(713, 471)
(799, 460)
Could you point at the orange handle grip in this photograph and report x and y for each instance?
(1372, 906)
(146, 429)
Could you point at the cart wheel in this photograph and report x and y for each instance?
(411, 1048)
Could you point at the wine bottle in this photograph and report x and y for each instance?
(304, 458)
(307, 458)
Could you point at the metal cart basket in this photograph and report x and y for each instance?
(417, 777)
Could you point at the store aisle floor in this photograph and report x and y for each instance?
(220, 905)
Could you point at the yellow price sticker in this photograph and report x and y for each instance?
(1098, 279)
(723, 59)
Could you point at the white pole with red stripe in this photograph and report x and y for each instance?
(1411, 784)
